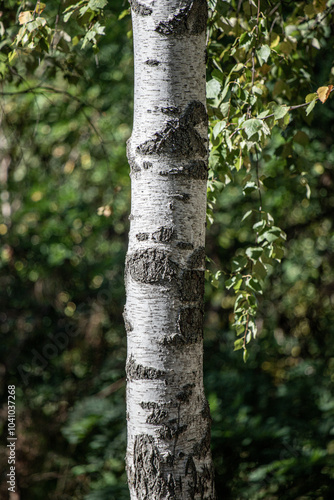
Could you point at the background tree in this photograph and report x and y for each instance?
(272, 425)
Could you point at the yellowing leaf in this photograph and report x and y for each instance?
(40, 7)
(323, 93)
(320, 5)
(274, 40)
(25, 17)
(310, 10)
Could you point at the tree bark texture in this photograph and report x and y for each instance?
(168, 453)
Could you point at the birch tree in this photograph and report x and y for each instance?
(168, 451)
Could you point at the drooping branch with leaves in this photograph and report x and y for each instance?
(259, 74)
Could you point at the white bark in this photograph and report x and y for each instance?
(168, 455)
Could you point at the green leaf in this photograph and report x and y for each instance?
(123, 14)
(252, 126)
(213, 88)
(238, 264)
(97, 4)
(272, 235)
(260, 270)
(238, 163)
(249, 187)
(310, 107)
(253, 285)
(245, 355)
(218, 75)
(311, 97)
(263, 114)
(224, 108)
(280, 111)
(218, 128)
(237, 285)
(229, 283)
(263, 54)
(278, 254)
(247, 214)
(238, 67)
(238, 344)
(254, 253)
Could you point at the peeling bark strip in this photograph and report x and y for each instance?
(168, 449)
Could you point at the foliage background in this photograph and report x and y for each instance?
(65, 116)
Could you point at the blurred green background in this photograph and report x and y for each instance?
(65, 202)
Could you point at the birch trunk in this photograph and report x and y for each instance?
(168, 453)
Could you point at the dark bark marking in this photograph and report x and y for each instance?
(179, 137)
(194, 114)
(206, 410)
(134, 167)
(190, 19)
(170, 110)
(151, 266)
(185, 197)
(196, 169)
(171, 484)
(184, 245)
(205, 485)
(157, 416)
(190, 323)
(186, 393)
(152, 405)
(197, 259)
(191, 471)
(149, 479)
(147, 164)
(138, 8)
(202, 448)
(175, 340)
(142, 236)
(171, 430)
(192, 285)
(164, 234)
(137, 372)
(152, 62)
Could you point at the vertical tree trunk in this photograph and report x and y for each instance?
(168, 454)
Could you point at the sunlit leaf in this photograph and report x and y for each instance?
(25, 17)
(213, 88)
(254, 253)
(324, 92)
(263, 54)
